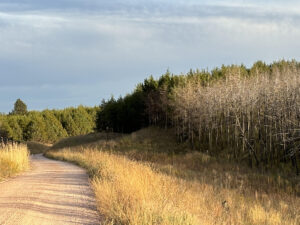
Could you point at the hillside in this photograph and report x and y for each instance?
(140, 177)
(250, 115)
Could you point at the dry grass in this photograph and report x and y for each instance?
(143, 185)
(84, 140)
(13, 159)
(129, 192)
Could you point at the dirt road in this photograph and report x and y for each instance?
(52, 192)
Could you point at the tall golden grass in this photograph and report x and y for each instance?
(159, 146)
(144, 187)
(13, 159)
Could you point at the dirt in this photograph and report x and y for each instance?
(52, 192)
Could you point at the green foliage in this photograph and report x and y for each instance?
(15, 130)
(20, 108)
(48, 125)
(69, 124)
(85, 123)
(55, 130)
(5, 130)
(123, 115)
(140, 108)
(36, 128)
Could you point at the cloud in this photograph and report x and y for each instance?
(80, 48)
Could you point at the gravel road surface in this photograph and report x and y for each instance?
(53, 192)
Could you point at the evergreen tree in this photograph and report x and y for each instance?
(36, 129)
(5, 130)
(15, 131)
(83, 121)
(69, 124)
(20, 108)
(55, 131)
(23, 122)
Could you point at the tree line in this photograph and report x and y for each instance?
(48, 125)
(252, 116)
(248, 114)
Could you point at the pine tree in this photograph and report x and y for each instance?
(55, 130)
(20, 108)
(36, 129)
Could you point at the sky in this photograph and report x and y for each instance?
(61, 53)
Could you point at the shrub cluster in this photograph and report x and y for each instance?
(48, 125)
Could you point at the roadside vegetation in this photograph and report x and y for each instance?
(47, 126)
(206, 147)
(13, 159)
(139, 179)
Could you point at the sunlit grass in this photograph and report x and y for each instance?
(143, 185)
(13, 159)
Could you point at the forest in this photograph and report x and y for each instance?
(245, 114)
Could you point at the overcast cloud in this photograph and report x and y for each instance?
(60, 53)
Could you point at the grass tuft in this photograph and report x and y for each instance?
(13, 159)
